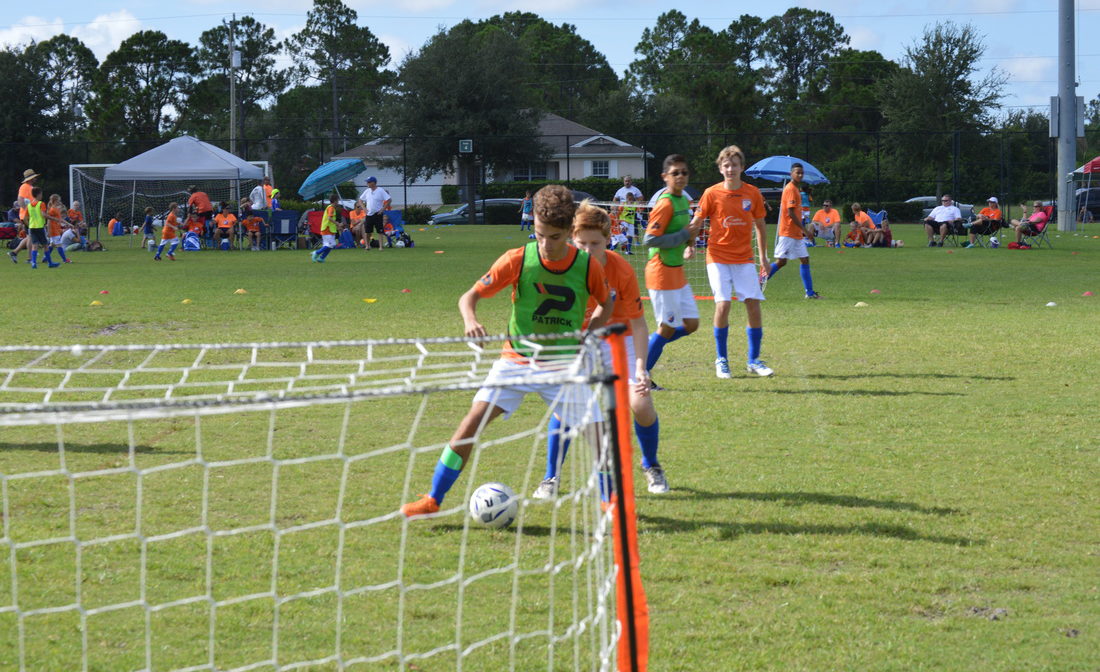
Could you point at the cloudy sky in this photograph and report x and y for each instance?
(1021, 35)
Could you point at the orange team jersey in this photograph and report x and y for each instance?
(111, 224)
(792, 198)
(657, 274)
(506, 269)
(616, 227)
(252, 223)
(992, 213)
(856, 236)
(387, 228)
(75, 217)
(201, 202)
(53, 224)
(225, 221)
(623, 283)
(357, 217)
(24, 193)
(732, 215)
(863, 219)
(171, 223)
(827, 218)
(267, 194)
(194, 225)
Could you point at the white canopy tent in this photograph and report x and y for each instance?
(161, 176)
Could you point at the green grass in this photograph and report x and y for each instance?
(915, 489)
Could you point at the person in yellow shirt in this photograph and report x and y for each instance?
(330, 224)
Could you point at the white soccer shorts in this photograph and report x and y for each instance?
(605, 351)
(328, 240)
(728, 280)
(574, 404)
(673, 306)
(55, 240)
(618, 239)
(790, 248)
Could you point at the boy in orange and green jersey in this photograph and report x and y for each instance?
(330, 224)
(36, 225)
(669, 236)
(551, 283)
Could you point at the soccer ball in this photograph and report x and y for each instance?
(897, 242)
(494, 505)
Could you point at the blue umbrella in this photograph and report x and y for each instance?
(778, 169)
(329, 175)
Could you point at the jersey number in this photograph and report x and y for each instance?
(562, 299)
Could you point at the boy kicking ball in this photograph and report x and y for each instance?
(591, 228)
(548, 262)
(735, 211)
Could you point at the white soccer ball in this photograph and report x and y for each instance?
(400, 243)
(494, 505)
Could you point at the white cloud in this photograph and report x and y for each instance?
(399, 48)
(1029, 69)
(865, 38)
(105, 32)
(31, 28)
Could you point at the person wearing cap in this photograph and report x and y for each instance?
(826, 223)
(24, 199)
(377, 201)
(988, 221)
(273, 200)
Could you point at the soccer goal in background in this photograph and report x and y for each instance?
(235, 507)
(101, 199)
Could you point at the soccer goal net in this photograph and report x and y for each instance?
(102, 200)
(236, 507)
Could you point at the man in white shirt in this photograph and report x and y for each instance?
(943, 216)
(377, 201)
(258, 197)
(627, 188)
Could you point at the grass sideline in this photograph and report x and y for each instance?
(914, 490)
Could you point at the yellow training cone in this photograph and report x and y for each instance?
(370, 300)
(186, 301)
(96, 303)
(241, 291)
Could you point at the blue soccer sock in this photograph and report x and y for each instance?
(324, 252)
(721, 341)
(160, 249)
(61, 251)
(49, 255)
(657, 344)
(557, 446)
(807, 280)
(34, 257)
(172, 249)
(647, 439)
(678, 333)
(446, 473)
(755, 335)
(773, 270)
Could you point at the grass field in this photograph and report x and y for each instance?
(915, 489)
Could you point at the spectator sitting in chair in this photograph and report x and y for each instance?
(827, 224)
(225, 221)
(988, 221)
(944, 217)
(870, 232)
(1030, 226)
(388, 231)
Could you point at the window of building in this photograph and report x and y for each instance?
(531, 171)
(601, 169)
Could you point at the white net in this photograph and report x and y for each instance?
(102, 200)
(235, 507)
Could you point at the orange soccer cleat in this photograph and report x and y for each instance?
(424, 506)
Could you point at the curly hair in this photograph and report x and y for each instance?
(554, 206)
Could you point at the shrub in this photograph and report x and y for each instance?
(416, 214)
(449, 193)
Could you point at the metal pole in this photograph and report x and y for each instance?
(1067, 118)
(232, 90)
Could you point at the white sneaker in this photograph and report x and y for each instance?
(759, 368)
(722, 367)
(547, 489)
(656, 481)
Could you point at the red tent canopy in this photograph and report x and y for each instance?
(1092, 166)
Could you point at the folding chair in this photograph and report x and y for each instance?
(283, 230)
(1037, 239)
(878, 218)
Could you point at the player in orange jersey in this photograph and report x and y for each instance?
(168, 233)
(736, 211)
(55, 222)
(790, 243)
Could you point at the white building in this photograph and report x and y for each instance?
(575, 152)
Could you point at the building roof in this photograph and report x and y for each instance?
(562, 136)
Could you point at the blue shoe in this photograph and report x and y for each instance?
(53, 264)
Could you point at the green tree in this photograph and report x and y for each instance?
(797, 45)
(67, 70)
(259, 79)
(348, 59)
(442, 99)
(935, 94)
(140, 86)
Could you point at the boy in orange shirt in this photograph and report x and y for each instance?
(989, 221)
(562, 271)
(168, 233)
(669, 236)
(736, 211)
(790, 243)
(54, 223)
(225, 221)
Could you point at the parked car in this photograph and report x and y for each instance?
(489, 211)
(929, 202)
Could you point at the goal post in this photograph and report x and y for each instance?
(235, 507)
